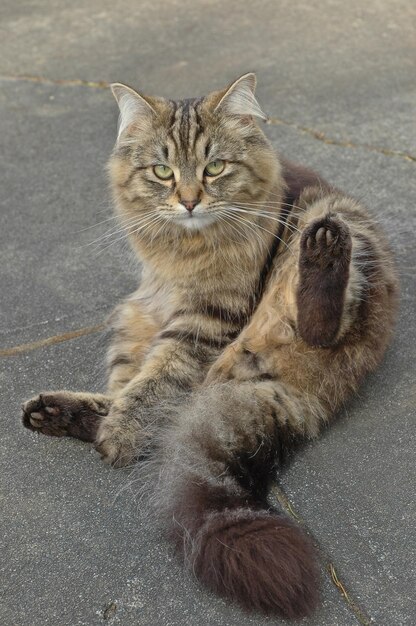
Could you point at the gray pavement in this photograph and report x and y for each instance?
(338, 81)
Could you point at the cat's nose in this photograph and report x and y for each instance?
(189, 204)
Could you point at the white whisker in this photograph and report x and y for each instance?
(139, 226)
(113, 217)
(249, 225)
(255, 225)
(122, 228)
(268, 216)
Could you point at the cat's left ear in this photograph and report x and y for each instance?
(239, 98)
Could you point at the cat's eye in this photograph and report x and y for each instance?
(214, 168)
(163, 172)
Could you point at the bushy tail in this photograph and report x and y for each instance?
(252, 556)
(212, 490)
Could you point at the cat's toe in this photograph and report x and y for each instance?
(36, 419)
(40, 414)
(31, 412)
(325, 240)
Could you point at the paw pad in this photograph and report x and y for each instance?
(41, 416)
(325, 240)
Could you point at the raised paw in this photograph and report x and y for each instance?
(65, 414)
(324, 267)
(324, 241)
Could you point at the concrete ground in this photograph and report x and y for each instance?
(338, 80)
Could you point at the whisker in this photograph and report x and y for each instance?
(285, 208)
(273, 217)
(124, 225)
(267, 216)
(254, 224)
(251, 226)
(222, 217)
(137, 227)
(239, 232)
(113, 217)
(275, 203)
(106, 236)
(160, 230)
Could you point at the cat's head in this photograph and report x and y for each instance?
(193, 165)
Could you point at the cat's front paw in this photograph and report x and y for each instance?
(120, 438)
(44, 414)
(66, 414)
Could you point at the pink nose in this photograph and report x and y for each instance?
(189, 204)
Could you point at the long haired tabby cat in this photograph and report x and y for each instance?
(266, 296)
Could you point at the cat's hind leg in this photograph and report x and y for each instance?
(66, 414)
(324, 271)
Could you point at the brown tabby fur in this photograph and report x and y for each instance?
(257, 316)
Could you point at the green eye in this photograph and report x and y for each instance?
(163, 171)
(215, 167)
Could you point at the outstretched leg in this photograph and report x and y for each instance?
(66, 414)
(73, 414)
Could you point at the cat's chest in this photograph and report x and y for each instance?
(157, 298)
(228, 280)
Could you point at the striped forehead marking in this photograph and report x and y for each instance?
(185, 129)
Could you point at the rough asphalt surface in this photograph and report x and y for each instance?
(338, 80)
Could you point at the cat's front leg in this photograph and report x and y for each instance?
(173, 367)
(122, 434)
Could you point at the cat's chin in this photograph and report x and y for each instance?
(195, 222)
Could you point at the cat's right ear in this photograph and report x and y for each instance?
(134, 108)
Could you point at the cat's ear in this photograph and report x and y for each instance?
(134, 108)
(239, 98)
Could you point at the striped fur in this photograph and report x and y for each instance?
(258, 314)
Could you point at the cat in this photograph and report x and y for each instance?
(266, 296)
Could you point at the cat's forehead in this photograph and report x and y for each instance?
(189, 133)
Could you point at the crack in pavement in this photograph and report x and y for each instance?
(273, 121)
(329, 567)
(43, 80)
(320, 136)
(49, 341)
(64, 318)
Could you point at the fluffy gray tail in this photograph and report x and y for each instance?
(212, 494)
(249, 555)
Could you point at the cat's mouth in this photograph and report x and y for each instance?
(194, 220)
